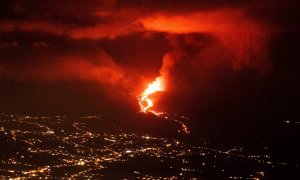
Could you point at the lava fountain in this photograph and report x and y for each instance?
(146, 103)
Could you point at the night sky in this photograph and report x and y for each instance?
(224, 62)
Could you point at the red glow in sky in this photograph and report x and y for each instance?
(123, 45)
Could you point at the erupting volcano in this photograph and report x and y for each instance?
(146, 104)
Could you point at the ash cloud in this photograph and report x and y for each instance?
(245, 39)
(193, 44)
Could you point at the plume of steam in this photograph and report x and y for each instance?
(201, 40)
(104, 70)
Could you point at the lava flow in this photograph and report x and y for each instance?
(146, 103)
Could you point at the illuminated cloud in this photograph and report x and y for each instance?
(245, 38)
(185, 41)
(62, 68)
(96, 31)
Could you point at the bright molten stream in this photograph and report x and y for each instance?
(145, 102)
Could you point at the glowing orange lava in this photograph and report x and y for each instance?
(146, 104)
(144, 101)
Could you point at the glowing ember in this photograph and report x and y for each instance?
(146, 103)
